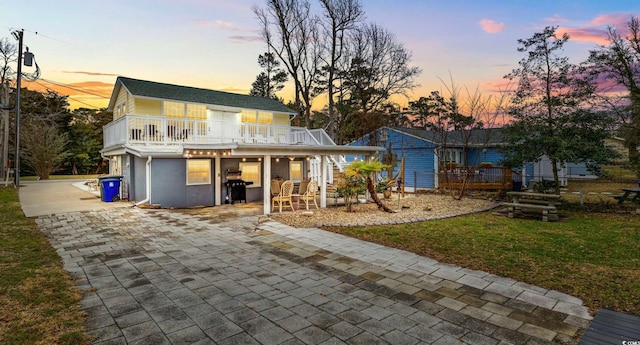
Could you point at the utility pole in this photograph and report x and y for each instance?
(18, 35)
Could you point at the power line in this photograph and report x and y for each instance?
(74, 99)
(87, 104)
(73, 88)
(49, 37)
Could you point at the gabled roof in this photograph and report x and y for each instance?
(151, 89)
(475, 137)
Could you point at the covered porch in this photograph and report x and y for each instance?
(156, 175)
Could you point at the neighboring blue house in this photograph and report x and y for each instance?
(421, 149)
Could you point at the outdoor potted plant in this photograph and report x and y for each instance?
(384, 186)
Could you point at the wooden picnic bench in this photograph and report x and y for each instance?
(533, 201)
(630, 194)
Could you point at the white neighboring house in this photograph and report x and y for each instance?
(175, 145)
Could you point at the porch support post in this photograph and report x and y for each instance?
(323, 181)
(436, 173)
(266, 184)
(217, 179)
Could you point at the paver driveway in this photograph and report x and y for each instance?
(168, 277)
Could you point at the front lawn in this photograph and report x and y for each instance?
(593, 256)
(38, 300)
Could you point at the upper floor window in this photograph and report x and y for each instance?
(196, 111)
(173, 109)
(265, 118)
(121, 110)
(249, 116)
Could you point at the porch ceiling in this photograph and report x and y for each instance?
(239, 150)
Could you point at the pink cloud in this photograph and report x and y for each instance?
(491, 26)
(618, 20)
(596, 30)
(245, 39)
(598, 36)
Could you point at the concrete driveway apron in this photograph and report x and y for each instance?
(208, 277)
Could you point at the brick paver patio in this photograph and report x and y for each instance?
(167, 277)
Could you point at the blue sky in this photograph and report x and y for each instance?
(214, 43)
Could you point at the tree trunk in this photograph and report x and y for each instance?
(556, 180)
(372, 190)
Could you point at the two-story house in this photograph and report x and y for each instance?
(179, 146)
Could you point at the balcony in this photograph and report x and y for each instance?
(157, 130)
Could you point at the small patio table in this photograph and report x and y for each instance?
(630, 194)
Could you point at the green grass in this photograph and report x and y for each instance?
(617, 171)
(593, 256)
(38, 299)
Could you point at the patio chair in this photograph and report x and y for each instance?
(302, 188)
(310, 194)
(286, 190)
(275, 187)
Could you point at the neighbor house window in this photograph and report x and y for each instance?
(198, 171)
(295, 171)
(452, 156)
(251, 173)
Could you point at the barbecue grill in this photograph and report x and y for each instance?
(236, 187)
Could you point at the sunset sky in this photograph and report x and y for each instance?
(82, 46)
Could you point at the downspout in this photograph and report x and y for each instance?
(148, 183)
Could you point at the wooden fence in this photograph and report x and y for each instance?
(477, 178)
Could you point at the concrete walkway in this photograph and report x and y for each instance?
(219, 276)
(48, 197)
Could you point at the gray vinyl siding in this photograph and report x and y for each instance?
(169, 185)
(170, 189)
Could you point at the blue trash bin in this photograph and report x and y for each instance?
(110, 189)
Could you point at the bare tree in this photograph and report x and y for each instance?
(8, 55)
(460, 121)
(378, 67)
(291, 32)
(43, 147)
(340, 16)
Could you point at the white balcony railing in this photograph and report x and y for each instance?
(152, 130)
